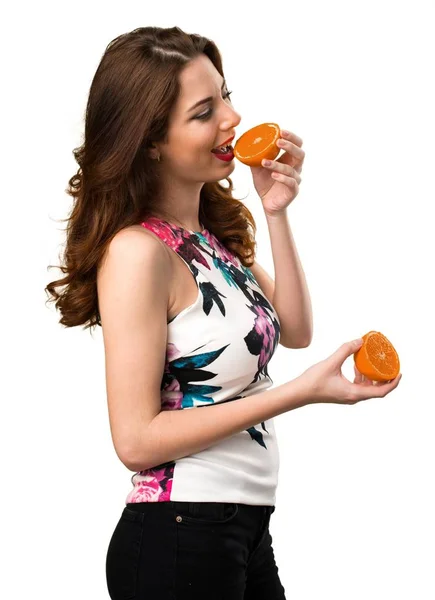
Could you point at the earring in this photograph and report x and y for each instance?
(158, 158)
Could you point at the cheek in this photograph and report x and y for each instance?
(194, 145)
(196, 150)
(202, 138)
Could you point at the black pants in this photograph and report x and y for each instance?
(193, 551)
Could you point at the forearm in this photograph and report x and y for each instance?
(173, 434)
(291, 298)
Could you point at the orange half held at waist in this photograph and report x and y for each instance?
(377, 358)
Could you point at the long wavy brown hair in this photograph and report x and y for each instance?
(131, 96)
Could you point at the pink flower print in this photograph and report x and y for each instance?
(171, 395)
(171, 352)
(177, 238)
(263, 326)
(223, 252)
(154, 486)
(172, 237)
(165, 496)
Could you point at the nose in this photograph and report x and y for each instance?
(230, 119)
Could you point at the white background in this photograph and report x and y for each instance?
(355, 506)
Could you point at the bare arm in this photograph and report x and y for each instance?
(133, 293)
(177, 433)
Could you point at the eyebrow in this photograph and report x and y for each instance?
(205, 100)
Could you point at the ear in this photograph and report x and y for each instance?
(153, 152)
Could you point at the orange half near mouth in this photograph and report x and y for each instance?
(257, 144)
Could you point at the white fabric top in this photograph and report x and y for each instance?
(218, 350)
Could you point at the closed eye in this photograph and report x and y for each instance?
(207, 115)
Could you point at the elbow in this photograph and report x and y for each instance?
(306, 341)
(305, 344)
(294, 343)
(129, 459)
(299, 345)
(134, 465)
(137, 463)
(131, 465)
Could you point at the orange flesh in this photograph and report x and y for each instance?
(258, 143)
(382, 355)
(377, 358)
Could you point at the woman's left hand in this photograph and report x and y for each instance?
(278, 192)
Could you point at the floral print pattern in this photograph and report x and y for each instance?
(198, 375)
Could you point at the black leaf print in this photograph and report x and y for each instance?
(210, 295)
(257, 436)
(254, 342)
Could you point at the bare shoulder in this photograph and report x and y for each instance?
(136, 268)
(137, 243)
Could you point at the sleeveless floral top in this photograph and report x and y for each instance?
(218, 350)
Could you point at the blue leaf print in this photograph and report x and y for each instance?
(197, 361)
(226, 270)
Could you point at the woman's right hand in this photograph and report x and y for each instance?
(325, 382)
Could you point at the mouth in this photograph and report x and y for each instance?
(225, 147)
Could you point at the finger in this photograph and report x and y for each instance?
(293, 155)
(344, 351)
(383, 382)
(358, 376)
(289, 135)
(289, 145)
(286, 180)
(379, 391)
(365, 382)
(291, 161)
(279, 167)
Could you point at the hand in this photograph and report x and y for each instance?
(359, 378)
(277, 194)
(325, 382)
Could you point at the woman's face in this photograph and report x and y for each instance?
(195, 130)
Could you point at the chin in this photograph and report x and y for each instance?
(229, 166)
(225, 171)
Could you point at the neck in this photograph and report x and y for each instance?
(181, 207)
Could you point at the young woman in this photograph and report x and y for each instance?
(162, 257)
